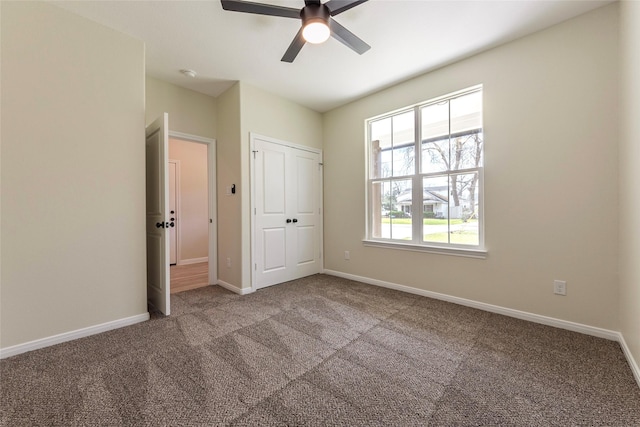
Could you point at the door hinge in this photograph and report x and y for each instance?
(254, 153)
(255, 266)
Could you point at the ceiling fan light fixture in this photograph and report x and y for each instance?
(316, 31)
(317, 22)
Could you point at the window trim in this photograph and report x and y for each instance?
(433, 249)
(472, 251)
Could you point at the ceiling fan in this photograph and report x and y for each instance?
(317, 22)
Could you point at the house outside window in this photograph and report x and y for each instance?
(434, 198)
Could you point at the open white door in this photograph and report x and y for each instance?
(157, 166)
(173, 209)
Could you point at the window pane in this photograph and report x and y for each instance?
(400, 215)
(380, 194)
(463, 209)
(466, 128)
(466, 151)
(435, 207)
(435, 156)
(404, 144)
(403, 128)
(466, 113)
(435, 120)
(403, 161)
(380, 166)
(435, 137)
(381, 131)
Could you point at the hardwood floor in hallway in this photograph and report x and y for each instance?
(190, 276)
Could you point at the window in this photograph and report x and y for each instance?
(425, 168)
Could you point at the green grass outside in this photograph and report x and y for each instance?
(461, 238)
(427, 221)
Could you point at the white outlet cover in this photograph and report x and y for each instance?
(560, 287)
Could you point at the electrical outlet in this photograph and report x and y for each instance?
(229, 262)
(560, 287)
(347, 256)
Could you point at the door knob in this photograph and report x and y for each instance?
(172, 212)
(173, 219)
(295, 220)
(288, 220)
(160, 224)
(172, 224)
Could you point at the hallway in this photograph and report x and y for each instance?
(189, 276)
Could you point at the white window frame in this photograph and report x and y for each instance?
(416, 243)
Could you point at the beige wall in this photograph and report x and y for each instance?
(189, 112)
(630, 177)
(270, 115)
(228, 170)
(193, 219)
(551, 129)
(73, 182)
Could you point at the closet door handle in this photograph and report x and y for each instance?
(288, 220)
(295, 220)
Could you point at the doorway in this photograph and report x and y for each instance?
(192, 208)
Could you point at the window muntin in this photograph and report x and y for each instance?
(446, 176)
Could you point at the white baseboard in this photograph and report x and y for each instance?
(536, 318)
(234, 288)
(193, 260)
(630, 359)
(72, 335)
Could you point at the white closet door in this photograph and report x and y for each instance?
(287, 213)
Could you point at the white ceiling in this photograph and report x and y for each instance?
(407, 38)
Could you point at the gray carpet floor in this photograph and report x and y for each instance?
(322, 351)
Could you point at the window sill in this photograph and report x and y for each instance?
(468, 253)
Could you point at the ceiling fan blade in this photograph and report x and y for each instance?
(294, 47)
(339, 6)
(260, 8)
(308, 2)
(347, 38)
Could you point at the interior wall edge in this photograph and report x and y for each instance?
(632, 362)
(234, 288)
